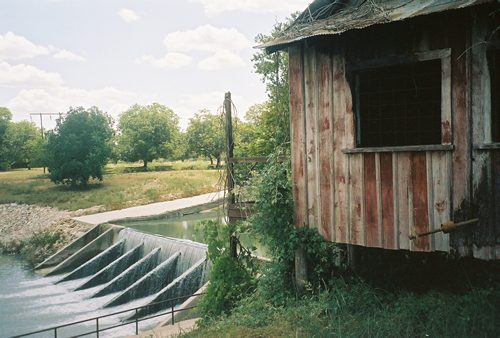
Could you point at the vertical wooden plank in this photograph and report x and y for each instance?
(298, 137)
(380, 228)
(387, 200)
(341, 201)
(495, 236)
(356, 192)
(355, 173)
(311, 98)
(440, 204)
(420, 199)
(370, 200)
(430, 197)
(325, 145)
(403, 199)
(484, 202)
(461, 154)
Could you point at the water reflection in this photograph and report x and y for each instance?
(188, 227)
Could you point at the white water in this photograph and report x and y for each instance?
(29, 302)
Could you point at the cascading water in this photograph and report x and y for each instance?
(122, 268)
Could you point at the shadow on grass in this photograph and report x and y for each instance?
(128, 170)
(77, 188)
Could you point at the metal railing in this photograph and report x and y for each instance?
(136, 319)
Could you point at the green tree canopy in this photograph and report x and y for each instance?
(206, 136)
(5, 117)
(79, 147)
(148, 133)
(272, 117)
(24, 144)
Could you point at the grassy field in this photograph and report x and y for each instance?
(124, 185)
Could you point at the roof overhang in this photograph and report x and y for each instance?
(353, 14)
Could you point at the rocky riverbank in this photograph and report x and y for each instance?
(36, 232)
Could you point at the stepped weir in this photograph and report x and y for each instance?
(131, 265)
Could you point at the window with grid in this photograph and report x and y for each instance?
(399, 105)
(494, 64)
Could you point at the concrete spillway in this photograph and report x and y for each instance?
(133, 265)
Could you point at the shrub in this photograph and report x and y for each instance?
(231, 278)
(78, 149)
(42, 245)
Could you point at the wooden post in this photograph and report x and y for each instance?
(230, 168)
(229, 148)
(300, 269)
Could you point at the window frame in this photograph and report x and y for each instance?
(444, 55)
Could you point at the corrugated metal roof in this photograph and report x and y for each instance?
(331, 17)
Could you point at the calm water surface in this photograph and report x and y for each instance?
(188, 227)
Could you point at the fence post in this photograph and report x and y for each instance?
(172, 315)
(136, 322)
(55, 332)
(97, 326)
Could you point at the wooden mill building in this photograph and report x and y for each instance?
(395, 122)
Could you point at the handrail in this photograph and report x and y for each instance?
(136, 320)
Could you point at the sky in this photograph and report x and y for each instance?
(184, 54)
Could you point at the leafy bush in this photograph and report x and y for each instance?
(231, 278)
(78, 149)
(273, 222)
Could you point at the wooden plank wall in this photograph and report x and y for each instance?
(379, 199)
(369, 199)
(486, 165)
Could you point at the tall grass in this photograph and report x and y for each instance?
(355, 309)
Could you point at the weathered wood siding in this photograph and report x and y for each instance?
(378, 199)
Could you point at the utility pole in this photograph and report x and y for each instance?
(41, 123)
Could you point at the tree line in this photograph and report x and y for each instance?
(85, 139)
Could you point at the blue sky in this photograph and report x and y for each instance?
(184, 54)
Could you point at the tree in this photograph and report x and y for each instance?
(206, 136)
(273, 116)
(5, 117)
(148, 133)
(24, 144)
(79, 147)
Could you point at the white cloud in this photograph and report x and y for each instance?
(213, 7)
(65, 54)
(14, 46)
(169, 61)
(26, 76)
(221, 59)
(190, 104)
(128, 15)
(206, 38)
(60, 98)
(222, 44)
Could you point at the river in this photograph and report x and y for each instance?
(30, 302)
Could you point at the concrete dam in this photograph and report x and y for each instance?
(131, 265)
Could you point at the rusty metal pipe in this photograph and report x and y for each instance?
(445, 228)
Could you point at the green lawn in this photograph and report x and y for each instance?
(124, 185)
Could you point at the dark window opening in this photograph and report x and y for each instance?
(399, 105)
(494, 63)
